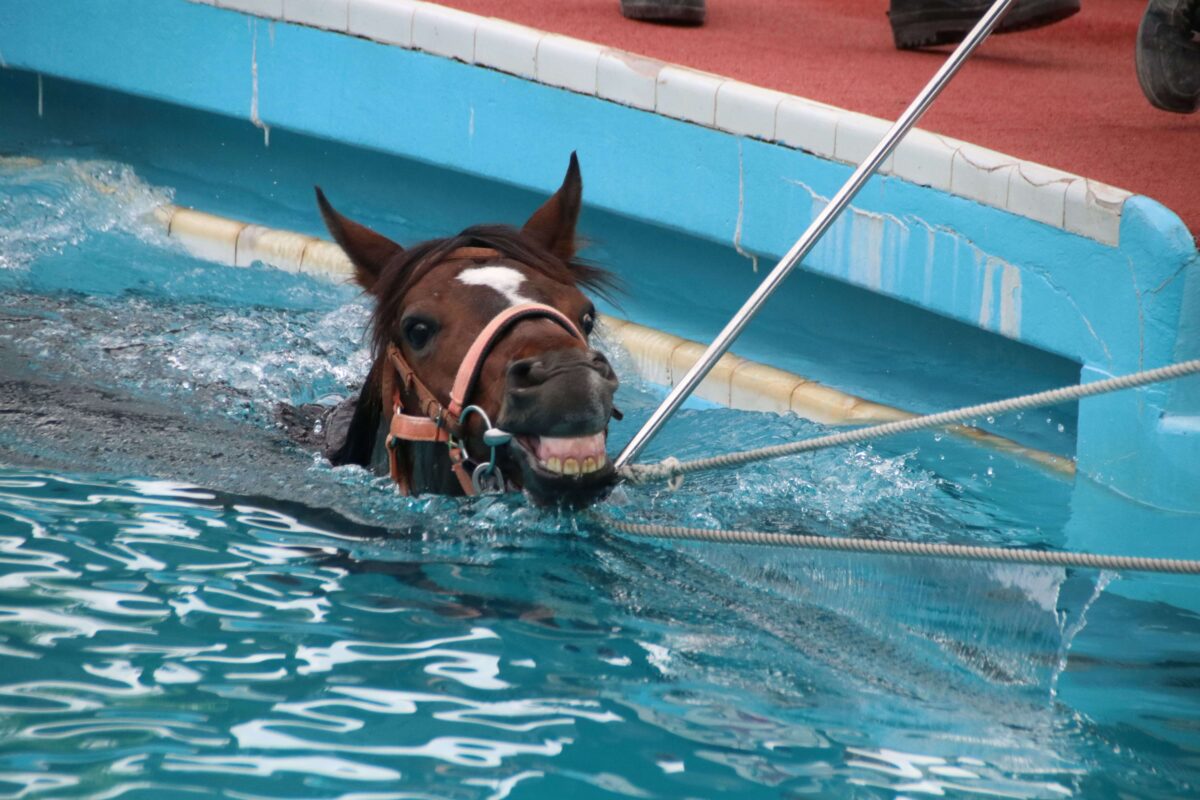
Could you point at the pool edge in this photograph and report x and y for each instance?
(658, 356)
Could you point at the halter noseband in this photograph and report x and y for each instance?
(444, 423)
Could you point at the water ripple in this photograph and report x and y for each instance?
(276, 628)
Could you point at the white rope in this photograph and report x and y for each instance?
(673, 470)
(919, 549)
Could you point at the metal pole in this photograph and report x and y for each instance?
(815, 230)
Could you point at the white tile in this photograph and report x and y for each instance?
(717, 385)
(272, 9)
(326, 258)
(1038, 192)
(569, 63)
(206, 236)
(387, 21)
(982, 175)
(747, 110)
(806, 125)
(1093, 209)
(445, 31)
(627, 78)
(758, 387)
(651, 351)
(164, 214)
(276, 248)
(823, 404)
(925, 158)
(507, 47)
(687, 94)
(857, 135)
(329, 14)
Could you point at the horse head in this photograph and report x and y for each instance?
(494, 318)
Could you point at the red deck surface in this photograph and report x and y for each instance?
(1065, 95)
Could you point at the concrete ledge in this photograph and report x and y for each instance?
(657, 356)
(1052, 197)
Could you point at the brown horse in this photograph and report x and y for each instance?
(481, 333)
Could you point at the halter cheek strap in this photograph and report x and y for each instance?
(434, 422)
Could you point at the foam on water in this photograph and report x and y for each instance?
(48, 207)
(189, 603)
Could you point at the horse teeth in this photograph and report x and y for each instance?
(574, 456)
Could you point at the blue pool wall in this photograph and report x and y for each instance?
(670, 279)
(1108, 309)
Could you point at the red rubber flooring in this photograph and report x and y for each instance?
(1065, 95)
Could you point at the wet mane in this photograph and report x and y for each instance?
(407, 268)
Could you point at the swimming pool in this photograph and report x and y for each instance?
(194, 605)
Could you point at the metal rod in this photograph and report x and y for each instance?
(810, 237)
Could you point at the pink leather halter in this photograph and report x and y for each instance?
(438, 422)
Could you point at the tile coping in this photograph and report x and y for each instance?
(657, 356)
(1070, 202)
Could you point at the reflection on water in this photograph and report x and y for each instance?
(158, 637)
(191, 605)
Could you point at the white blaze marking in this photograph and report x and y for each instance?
(505, 280)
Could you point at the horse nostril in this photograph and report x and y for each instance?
(600, 363)
(526, 373)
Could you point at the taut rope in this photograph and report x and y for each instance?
(921, 549)
(673, 470)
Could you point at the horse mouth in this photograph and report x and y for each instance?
(565, 470)
(573, 456)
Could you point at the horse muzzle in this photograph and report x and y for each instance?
(557, 406)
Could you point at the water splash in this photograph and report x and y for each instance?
(1071, 631)
(47, 207)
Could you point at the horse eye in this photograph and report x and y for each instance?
(418, 332)
(588, 322)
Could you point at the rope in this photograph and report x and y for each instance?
(919, 549)
(673, 470)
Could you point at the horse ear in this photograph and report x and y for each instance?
(553, 225)
(369, 251)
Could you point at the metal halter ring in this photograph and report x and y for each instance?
(487, 478)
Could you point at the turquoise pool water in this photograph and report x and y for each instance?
(190, 605)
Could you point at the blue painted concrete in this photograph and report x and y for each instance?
(894, 352)
(1110, 309)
